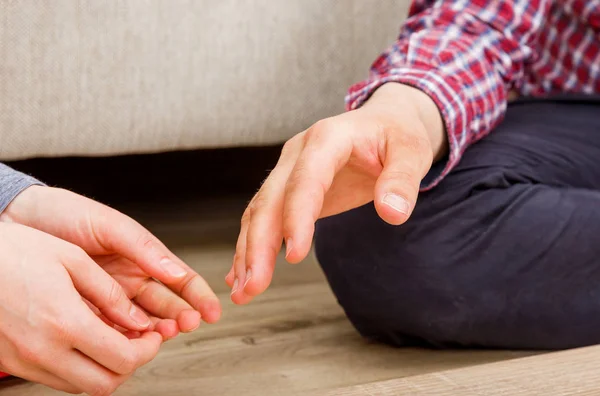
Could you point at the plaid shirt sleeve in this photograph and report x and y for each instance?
(466, 55)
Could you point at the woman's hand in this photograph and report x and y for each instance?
(48, 334)
(378, 153)
(146, 272)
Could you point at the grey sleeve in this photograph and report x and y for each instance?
(12, 183)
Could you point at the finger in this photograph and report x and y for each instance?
(123, 235)
(85, 374)
(126, 237)
(264, 227)
(230, 277)
(52, 381)
(189, 320)
(41, 376)
(408, 157)
(197, 293)
(124, 331)
(104, 292)
(161, 302)
(132, 334)
(109, 347)
(323, 156)
(238, 268)
(167, 328)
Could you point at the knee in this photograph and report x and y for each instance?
(392, 282)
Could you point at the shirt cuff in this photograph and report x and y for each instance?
(12, 183)
(447, 94)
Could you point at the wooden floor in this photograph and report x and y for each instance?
(292, 340)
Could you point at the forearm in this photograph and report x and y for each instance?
(464, 55)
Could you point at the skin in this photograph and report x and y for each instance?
(379, 153)
(88, 294)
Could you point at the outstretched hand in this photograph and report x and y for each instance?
(379, 153)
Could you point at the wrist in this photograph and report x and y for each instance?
(20, 205)
(397, 98)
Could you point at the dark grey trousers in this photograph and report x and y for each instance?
(504, 253)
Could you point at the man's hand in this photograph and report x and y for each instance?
(378, 153)
(48, 334)
(146, 272)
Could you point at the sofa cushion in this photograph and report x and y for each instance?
(96, 78)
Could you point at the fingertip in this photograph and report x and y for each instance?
(236, 297)
(152, 337)
(294, 258)
(211, 310)
(259, 282)
(139, 318)
(297, 248)
(393, 208)
(188, 320)
(167, 328)
(240, 298)
(298, 232)
(229, 278)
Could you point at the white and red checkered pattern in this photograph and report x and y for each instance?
(468, 54)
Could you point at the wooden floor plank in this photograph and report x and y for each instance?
(294, 339)
(573, 372)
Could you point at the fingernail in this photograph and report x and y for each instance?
(172, 269)
(235, 285)
(139, 317)
(248, 276)
(397, 203)
(288, 247)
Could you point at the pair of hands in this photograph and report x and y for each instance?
(379, 153)
(88, 294)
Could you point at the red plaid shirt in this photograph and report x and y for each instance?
(468, 54)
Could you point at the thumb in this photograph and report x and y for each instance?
(407, 158)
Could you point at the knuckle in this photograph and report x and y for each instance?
(29, 352)
(418, 144)
(62, 328)
(404, 176)
(407, 181)
(145, 240)
(288, 147)
(104, 387)
(115, 294)
(128, 362)
(321, 128)
(187, 285)
(258, 202)
(246, 217)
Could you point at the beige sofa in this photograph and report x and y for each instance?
(110, 77)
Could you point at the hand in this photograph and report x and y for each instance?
(47, 332)
(145, 270)
(379, 152)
